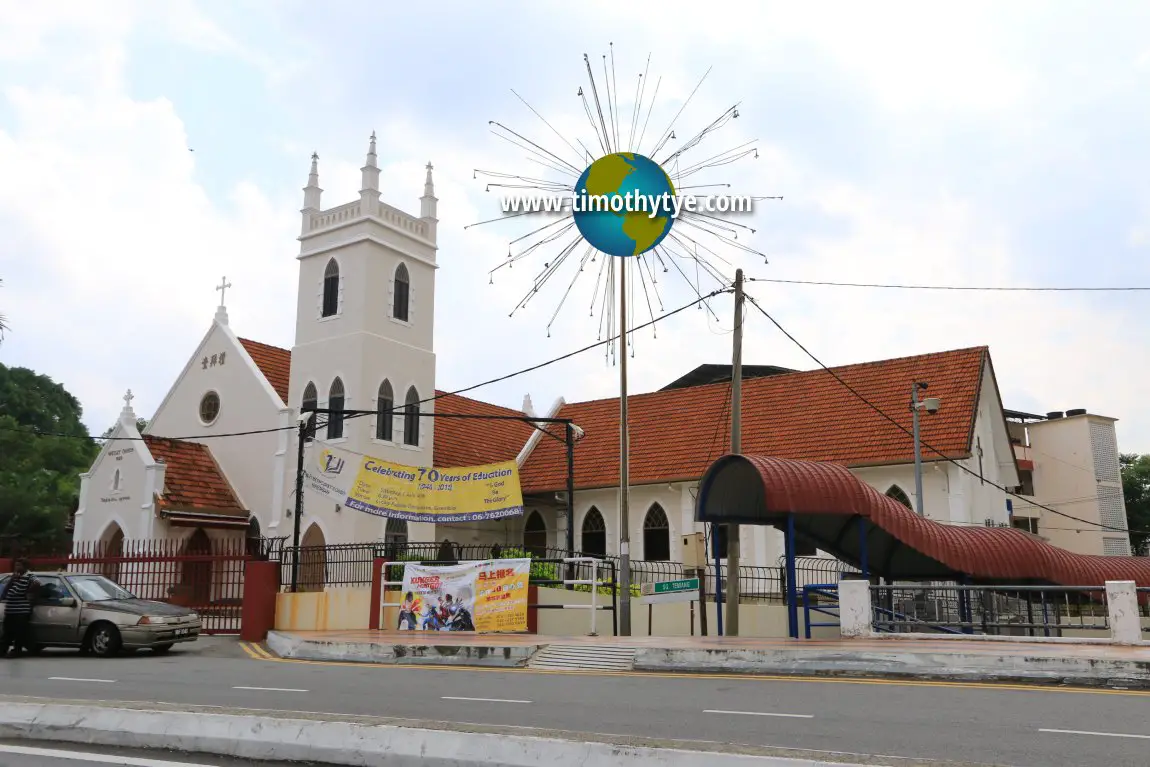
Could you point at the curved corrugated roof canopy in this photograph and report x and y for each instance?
(835, 510)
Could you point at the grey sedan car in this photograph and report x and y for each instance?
(94, 614)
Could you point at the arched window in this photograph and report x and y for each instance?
(656, 535)
(330, 289)
(411, 417)
(402, 294)
(535, 535)
(309, 402)
(898, 494)
(384, 415)
(395, 538)
(594, 534)
(335, 402)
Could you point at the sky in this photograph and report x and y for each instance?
(146, 149)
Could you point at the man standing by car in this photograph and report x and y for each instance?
(17, 598)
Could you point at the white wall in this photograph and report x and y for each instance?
(1065, 479)
(131, 506)
(247, 403)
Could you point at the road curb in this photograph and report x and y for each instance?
(297, 738)
(398, 653)
(1033, 669)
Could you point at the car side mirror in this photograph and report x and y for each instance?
(67, 602)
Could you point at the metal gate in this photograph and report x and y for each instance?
(204, 575)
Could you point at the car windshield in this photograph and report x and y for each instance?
(95, 588)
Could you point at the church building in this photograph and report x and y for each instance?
(364, 341)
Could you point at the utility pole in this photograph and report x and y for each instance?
(914, 408)
(301, 438)
(624, 464)
(569, 435)
(736, 448)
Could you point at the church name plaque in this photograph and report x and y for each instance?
(115, 498)
(119, 454)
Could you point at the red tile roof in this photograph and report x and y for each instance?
(273, 362)
(677, 434)
(467, 441)
(193, 480)
(821, 494)
(458, 441)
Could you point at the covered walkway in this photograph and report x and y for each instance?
(842, 515)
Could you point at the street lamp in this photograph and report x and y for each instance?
(932, 406)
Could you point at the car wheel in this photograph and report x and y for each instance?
(162, 649)
(104, 640)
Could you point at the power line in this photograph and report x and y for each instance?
(976, 288)
(910, 433)
(395, 410)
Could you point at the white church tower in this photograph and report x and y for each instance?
(364, 330)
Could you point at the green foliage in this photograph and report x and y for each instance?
(39, 475)
(1136, 490)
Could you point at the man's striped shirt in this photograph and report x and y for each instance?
(16, 600)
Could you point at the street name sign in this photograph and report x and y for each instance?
(681, 590)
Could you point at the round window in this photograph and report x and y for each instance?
(209, 407)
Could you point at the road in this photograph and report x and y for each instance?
(1002, 725)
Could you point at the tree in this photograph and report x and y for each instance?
(39, 473)
(1136, 489)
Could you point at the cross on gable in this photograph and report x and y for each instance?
(128, 398)
(222, 287)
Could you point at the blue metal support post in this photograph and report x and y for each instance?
(792, 591)
(718, 579)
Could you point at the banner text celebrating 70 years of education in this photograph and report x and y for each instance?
(414, 493)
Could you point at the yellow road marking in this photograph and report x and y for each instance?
(262, 651)
(247, 648)
(259, 653)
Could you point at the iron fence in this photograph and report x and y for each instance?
(1050, 611)
(350, 565)
(207, 578)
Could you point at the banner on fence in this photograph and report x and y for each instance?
(414, 493)
(485, 597)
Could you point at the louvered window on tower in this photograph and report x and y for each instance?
(330, 289)
(402, 293)
(335, 403)
(385, 415)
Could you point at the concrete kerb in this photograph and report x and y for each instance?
(494, 655)
(906, 664)
(369, 741)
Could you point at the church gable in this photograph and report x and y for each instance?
(220, 380)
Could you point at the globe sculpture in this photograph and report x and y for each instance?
(623, 204)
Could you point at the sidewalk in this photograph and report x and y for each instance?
(1065, 662)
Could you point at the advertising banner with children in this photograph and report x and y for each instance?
(484, 597)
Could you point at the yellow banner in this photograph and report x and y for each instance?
(501, 596)
(414, 493)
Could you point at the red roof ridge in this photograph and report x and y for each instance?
(778, 376)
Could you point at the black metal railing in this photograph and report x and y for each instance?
(350, 565)
(949, 608)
